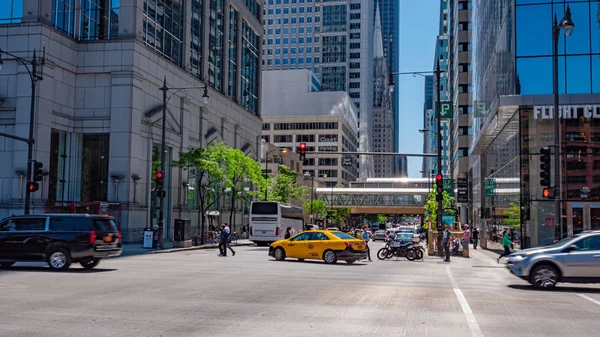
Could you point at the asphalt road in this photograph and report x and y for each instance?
(196, 293)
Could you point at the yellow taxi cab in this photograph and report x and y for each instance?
(329, 246)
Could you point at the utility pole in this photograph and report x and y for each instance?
(161, 213)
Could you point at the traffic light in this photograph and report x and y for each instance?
(38, 172)
(32, 186)
(439, 183)
(302, 153)
(545, 166)
(159, 184)
(548, 193)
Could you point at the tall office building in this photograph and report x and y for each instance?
(428, 119)
(335, 41)
(98, 109)
(390, 23)
(383, 109)
(461, 90)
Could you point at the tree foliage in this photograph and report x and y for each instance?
(316, 208)
(337, 215)
(513, 213)
(284, 187)
(381, 218)
(431, 207)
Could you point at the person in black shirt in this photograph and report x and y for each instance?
(475, 237)
(288, 233)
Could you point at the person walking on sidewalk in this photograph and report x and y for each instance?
(475, 237)
(446, 243)
(465, 241)
(506, 243)
(365, 235)
(222, 241)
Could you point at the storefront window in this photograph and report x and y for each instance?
(94, 167)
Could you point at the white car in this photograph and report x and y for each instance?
(333, 229)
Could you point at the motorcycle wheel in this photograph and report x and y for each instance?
(382, 253)
(410, 255)
(419, 254)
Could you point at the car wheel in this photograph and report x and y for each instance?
(544, 277)
(279, 254)
(350, 261)
(382, 253)
(89, 264)
(59, 259)
(330, 257)
(7, 264)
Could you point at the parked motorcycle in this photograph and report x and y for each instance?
(399, 249)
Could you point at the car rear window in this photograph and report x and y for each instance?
(342, 235)
(105, 225)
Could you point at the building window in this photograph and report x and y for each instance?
(305, 138)
(254, 7)
(11, 12)
(99, 19)
(94, 167)
(334, 49)
(283, 139)
(215, 48)
(250, 68)
(333, 78)
(163, 27)
(328, 161)
(196, 38)
(233, 33)
(266, 126)
(63, 16)
(334, 18)
(266, 138)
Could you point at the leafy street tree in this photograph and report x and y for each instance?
(208, 167)
(381, 218)
(431, 207)
(513, 214)
(316, 207)
(337, 215)
(239, 169)
(284, 187)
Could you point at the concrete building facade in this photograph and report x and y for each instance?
(98, 108)
(325, 121)
(335, 40)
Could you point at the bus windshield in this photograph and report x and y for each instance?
(264, 208)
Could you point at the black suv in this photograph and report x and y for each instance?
(59, 239)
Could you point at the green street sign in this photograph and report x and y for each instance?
(445, 110)
(490, 187)
(449, 186)
(482, 109)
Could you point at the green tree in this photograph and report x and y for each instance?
(513, 213)
(431, 206)
(381, 218)
(208, 166)
(239, 169)
(315, 207)
(337, 215)
(284, 187)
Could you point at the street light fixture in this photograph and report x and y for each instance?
(567, 25)
(34, 77)
(163, 151)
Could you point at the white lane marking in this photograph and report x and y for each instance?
(593, 300)
(471, 320)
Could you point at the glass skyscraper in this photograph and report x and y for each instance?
(512, 121)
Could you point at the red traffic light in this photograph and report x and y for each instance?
(159, 175)
(302, 146)
(438, 177)
(548, 193)
(32, 186)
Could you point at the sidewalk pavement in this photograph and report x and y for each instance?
(130, 249)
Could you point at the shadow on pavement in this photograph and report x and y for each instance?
(29, 269)
(559, 289)
(318, 262)
(258, 249)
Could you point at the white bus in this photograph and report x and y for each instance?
(270, 219)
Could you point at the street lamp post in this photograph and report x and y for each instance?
(34, 77)
(162, 193)
(312, 192)
(437, 73)
(567, 25)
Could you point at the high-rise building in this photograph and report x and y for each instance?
(427, 125)
(460, 87)
(326, 121)
(98, 109)
(335, 41)
(390, 23)
(383, 110)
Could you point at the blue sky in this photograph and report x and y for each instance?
(419, 26)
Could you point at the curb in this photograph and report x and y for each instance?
(175, 250)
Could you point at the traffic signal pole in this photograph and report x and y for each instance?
(440, 196)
